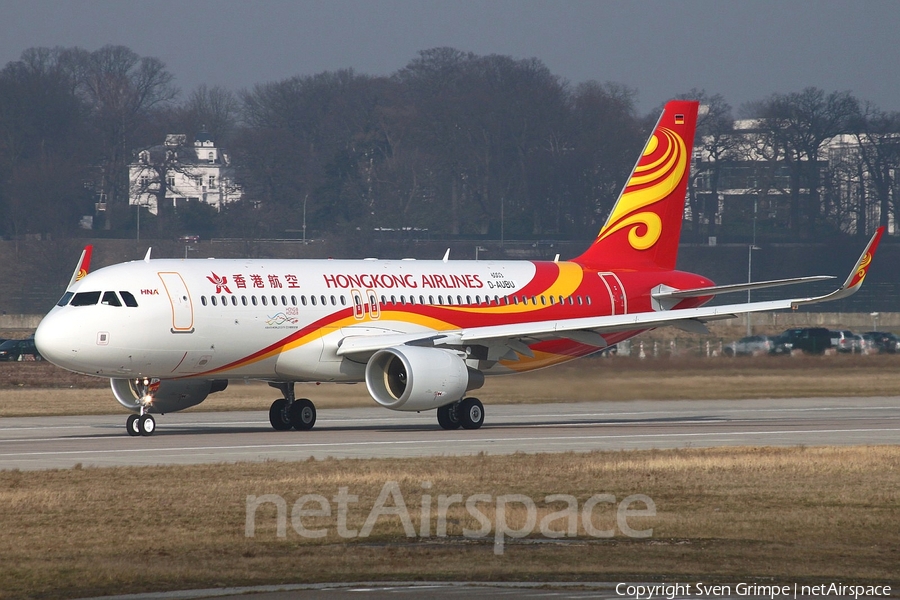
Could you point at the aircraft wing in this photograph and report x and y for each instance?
(504, 338)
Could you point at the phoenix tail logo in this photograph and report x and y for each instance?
(657, 175)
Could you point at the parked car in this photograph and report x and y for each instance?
(811, 340)
(845, 341)
(751, 345)
(883, 341)
(19, 350)
(866, 345)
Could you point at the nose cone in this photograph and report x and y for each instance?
(52, 341)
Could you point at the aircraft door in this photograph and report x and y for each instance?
(180, 299)
(357, 299)
(618, 300)
(373, 306)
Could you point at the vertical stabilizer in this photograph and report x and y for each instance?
(644, 227)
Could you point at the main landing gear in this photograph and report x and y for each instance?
(289, 413)
(467, 413)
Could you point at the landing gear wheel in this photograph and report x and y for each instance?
(278, 417)
(471, 413)
(448, 416)
(146, 424)
(131, 425)
(302, 414)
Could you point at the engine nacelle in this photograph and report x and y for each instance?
(166, 396)
(415, 378)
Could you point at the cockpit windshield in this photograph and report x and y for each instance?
(86, 299)
(92, 298)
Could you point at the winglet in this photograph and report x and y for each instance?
(446, 255)
(84, 263)
(857, 275)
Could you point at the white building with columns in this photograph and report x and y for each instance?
(200, 172)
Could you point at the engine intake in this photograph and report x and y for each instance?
(413, 378)
(169, 396)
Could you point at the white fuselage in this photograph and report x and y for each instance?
(284, 319)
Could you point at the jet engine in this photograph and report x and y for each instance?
(164, 396)
(414, 378)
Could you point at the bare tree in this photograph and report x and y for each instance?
(878, 136)
(716, 139)
(121, 88)
(801, 122)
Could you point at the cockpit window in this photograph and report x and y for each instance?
(65, 299)
(111, 299)
(129, 299)
(86, 299)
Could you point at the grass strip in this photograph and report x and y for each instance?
(792, 514)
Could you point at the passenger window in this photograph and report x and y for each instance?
(293, 300)
(303, 300)
(253, 300)
(129, 299)
(224, 300)
(343, 300)
(440, 299)
(333, 302)
(213, 300)
(244, 300)
(86, 299)
(203, 300)
(543, 301)
(265, 301)
(589, 300)
(324, 301)
(312, 300)
(234, 300)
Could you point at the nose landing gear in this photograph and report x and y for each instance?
(143, 423)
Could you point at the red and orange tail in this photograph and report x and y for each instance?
(644, 227)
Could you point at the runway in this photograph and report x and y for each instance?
(30, 443)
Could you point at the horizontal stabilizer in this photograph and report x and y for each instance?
(736, 287)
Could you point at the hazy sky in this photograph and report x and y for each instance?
(744, 50)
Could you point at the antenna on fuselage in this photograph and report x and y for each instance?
(447, 255)
(147, 256)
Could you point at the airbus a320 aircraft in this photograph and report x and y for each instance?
(421, 334)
